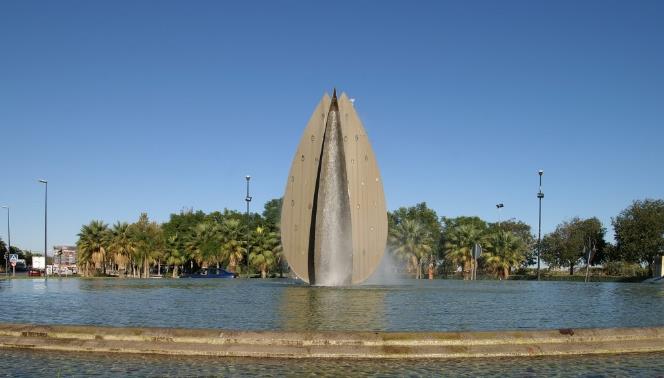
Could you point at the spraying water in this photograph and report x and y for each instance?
(387, 273)
(333, 240)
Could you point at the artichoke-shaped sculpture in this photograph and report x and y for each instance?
(333, 218)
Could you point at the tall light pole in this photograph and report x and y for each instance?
(248, 197)
(45, 224)
(9, 241)
(499, 206)
(540, 195)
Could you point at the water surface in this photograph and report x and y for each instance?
(253, 304)
(25, 363)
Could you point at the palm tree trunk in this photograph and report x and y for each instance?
(467, 268)
(103, 262)
(175, 271)
(416, 266)
(232, 264)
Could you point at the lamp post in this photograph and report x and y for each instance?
(45, 224)
(9, 242)
(248, 197)
(540, 195)
(499, 206)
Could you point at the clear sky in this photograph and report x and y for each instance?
(132, 106)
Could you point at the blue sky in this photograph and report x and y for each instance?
(132, 106)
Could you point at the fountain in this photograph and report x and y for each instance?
(334, 221)
(334, 231)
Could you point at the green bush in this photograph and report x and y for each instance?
(625, 269)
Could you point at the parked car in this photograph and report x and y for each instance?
(211, 273)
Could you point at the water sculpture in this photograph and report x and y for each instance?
(333, 218)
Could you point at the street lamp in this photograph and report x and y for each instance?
(499, 206)
(248, 197)
(9, 241)
(45, 223)
(540, 195)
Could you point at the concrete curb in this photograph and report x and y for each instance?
(290, 344)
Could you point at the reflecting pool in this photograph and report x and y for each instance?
(282, 304)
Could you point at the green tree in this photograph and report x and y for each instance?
(183, 222)
(265, 250)
(449, 224)
(92, 245)
(460, 236)
(175, 254)
(247, 222)
(523, 232)
(205, 244)
(180, 227)
(639, 232)
(149, 243)
(233, 243)
(426, 219)
(3, 252)
(504, 250)
(272, 213)
(571, 240)
(121, 245)
(412, 242)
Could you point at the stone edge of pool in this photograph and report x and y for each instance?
(332, 344)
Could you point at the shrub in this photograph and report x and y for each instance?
(625, 269)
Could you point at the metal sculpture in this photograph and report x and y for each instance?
(333, 218)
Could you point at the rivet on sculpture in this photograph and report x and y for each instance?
(333, 218)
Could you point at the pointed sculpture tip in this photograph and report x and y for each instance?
(334, 98)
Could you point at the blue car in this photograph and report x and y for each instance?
(211, 273)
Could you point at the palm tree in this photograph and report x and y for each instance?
(205, 244)
(121, 245)
(265, 250)
(458, 246)
(149, 243)
(504, 251)
(175, 254)
(92, 244)
(412, 242)
(233, 242)
(3, 251)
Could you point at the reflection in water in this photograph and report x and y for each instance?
(332, 308)
(410, 305)
(39, 285)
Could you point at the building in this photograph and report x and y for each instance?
(64, 258)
